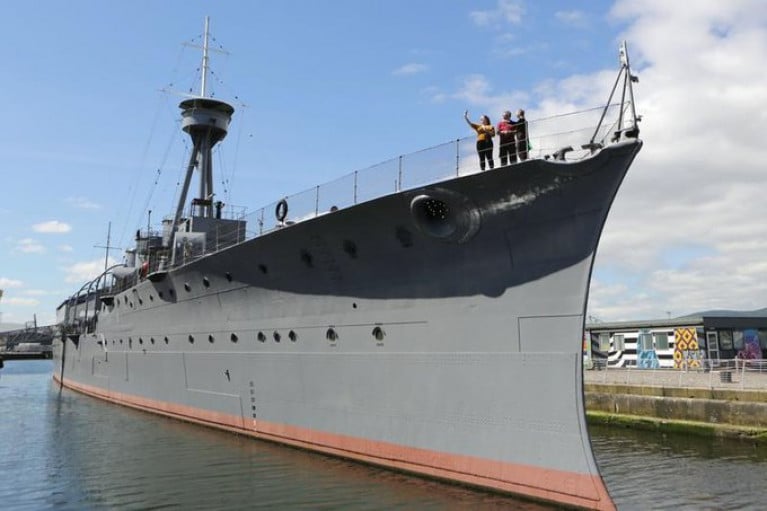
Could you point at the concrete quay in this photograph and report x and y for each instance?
(710, 403)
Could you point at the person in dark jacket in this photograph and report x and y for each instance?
(520, 126)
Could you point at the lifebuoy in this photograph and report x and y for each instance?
(281, 210)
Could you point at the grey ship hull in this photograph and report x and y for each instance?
(370, 334)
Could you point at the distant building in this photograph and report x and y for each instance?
(677, 342)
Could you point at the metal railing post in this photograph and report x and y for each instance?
(399, 175)
(355, 186)
(457, 156)
(317, 200)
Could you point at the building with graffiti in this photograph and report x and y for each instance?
(680, 343)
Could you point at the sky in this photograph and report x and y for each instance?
(91, 137)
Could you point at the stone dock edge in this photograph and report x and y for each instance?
(732, 414)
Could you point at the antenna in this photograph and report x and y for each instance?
(205, 57)
(107, 248)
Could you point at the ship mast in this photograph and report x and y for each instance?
(206, 120)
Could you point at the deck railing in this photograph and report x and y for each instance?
(547, 137)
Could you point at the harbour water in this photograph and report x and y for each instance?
(61, 450)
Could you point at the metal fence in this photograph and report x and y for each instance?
(725, 374)
(547, 138)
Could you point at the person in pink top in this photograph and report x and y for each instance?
(507, 143)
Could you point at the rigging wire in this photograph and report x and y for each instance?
(162, 102)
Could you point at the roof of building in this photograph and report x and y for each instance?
(718, 318)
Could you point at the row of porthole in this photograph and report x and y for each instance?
(187, 287)
(331, 335)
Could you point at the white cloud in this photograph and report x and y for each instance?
(508, 11)
(6, 283)
(66, 248)
(53, 226)
(573, 18)
(410, 69)
(29, 246)
(699, 181)
(79, 273)
(26, 302)
(82, 203)
(38, 292)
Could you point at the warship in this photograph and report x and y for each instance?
(420, 315)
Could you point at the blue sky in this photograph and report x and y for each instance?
(324, 88)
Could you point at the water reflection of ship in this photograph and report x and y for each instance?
(434, 328)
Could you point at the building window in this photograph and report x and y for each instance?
(737, 339)
(619, 342)
(604, 342)
(661, 340)
(644, 342)
(725, 340)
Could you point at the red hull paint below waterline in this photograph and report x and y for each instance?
(585, 491)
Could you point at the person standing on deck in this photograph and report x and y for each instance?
(507, 150)
(485, 134)
(523, 144)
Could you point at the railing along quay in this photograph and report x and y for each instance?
(712, 374)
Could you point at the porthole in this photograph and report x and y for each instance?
(378, 333)
(151, 298)
(130, 342)
(292, 336)
(172, 292)
(121, 341)
(263, 269)
(306, 258)
(140, 301)
(354, 305)
(228, 276)
(350, 248)
(125, 298)
(160, 294)
(191, 339)
(276, 335)
(141, 340)
(187, 287)
(130, 304)
(234, 337)
(205, 282)
(166, 340)
(331, 334)
(151, 340)
(211, 339)
(261, 336)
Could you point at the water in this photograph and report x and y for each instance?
(62, 450)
